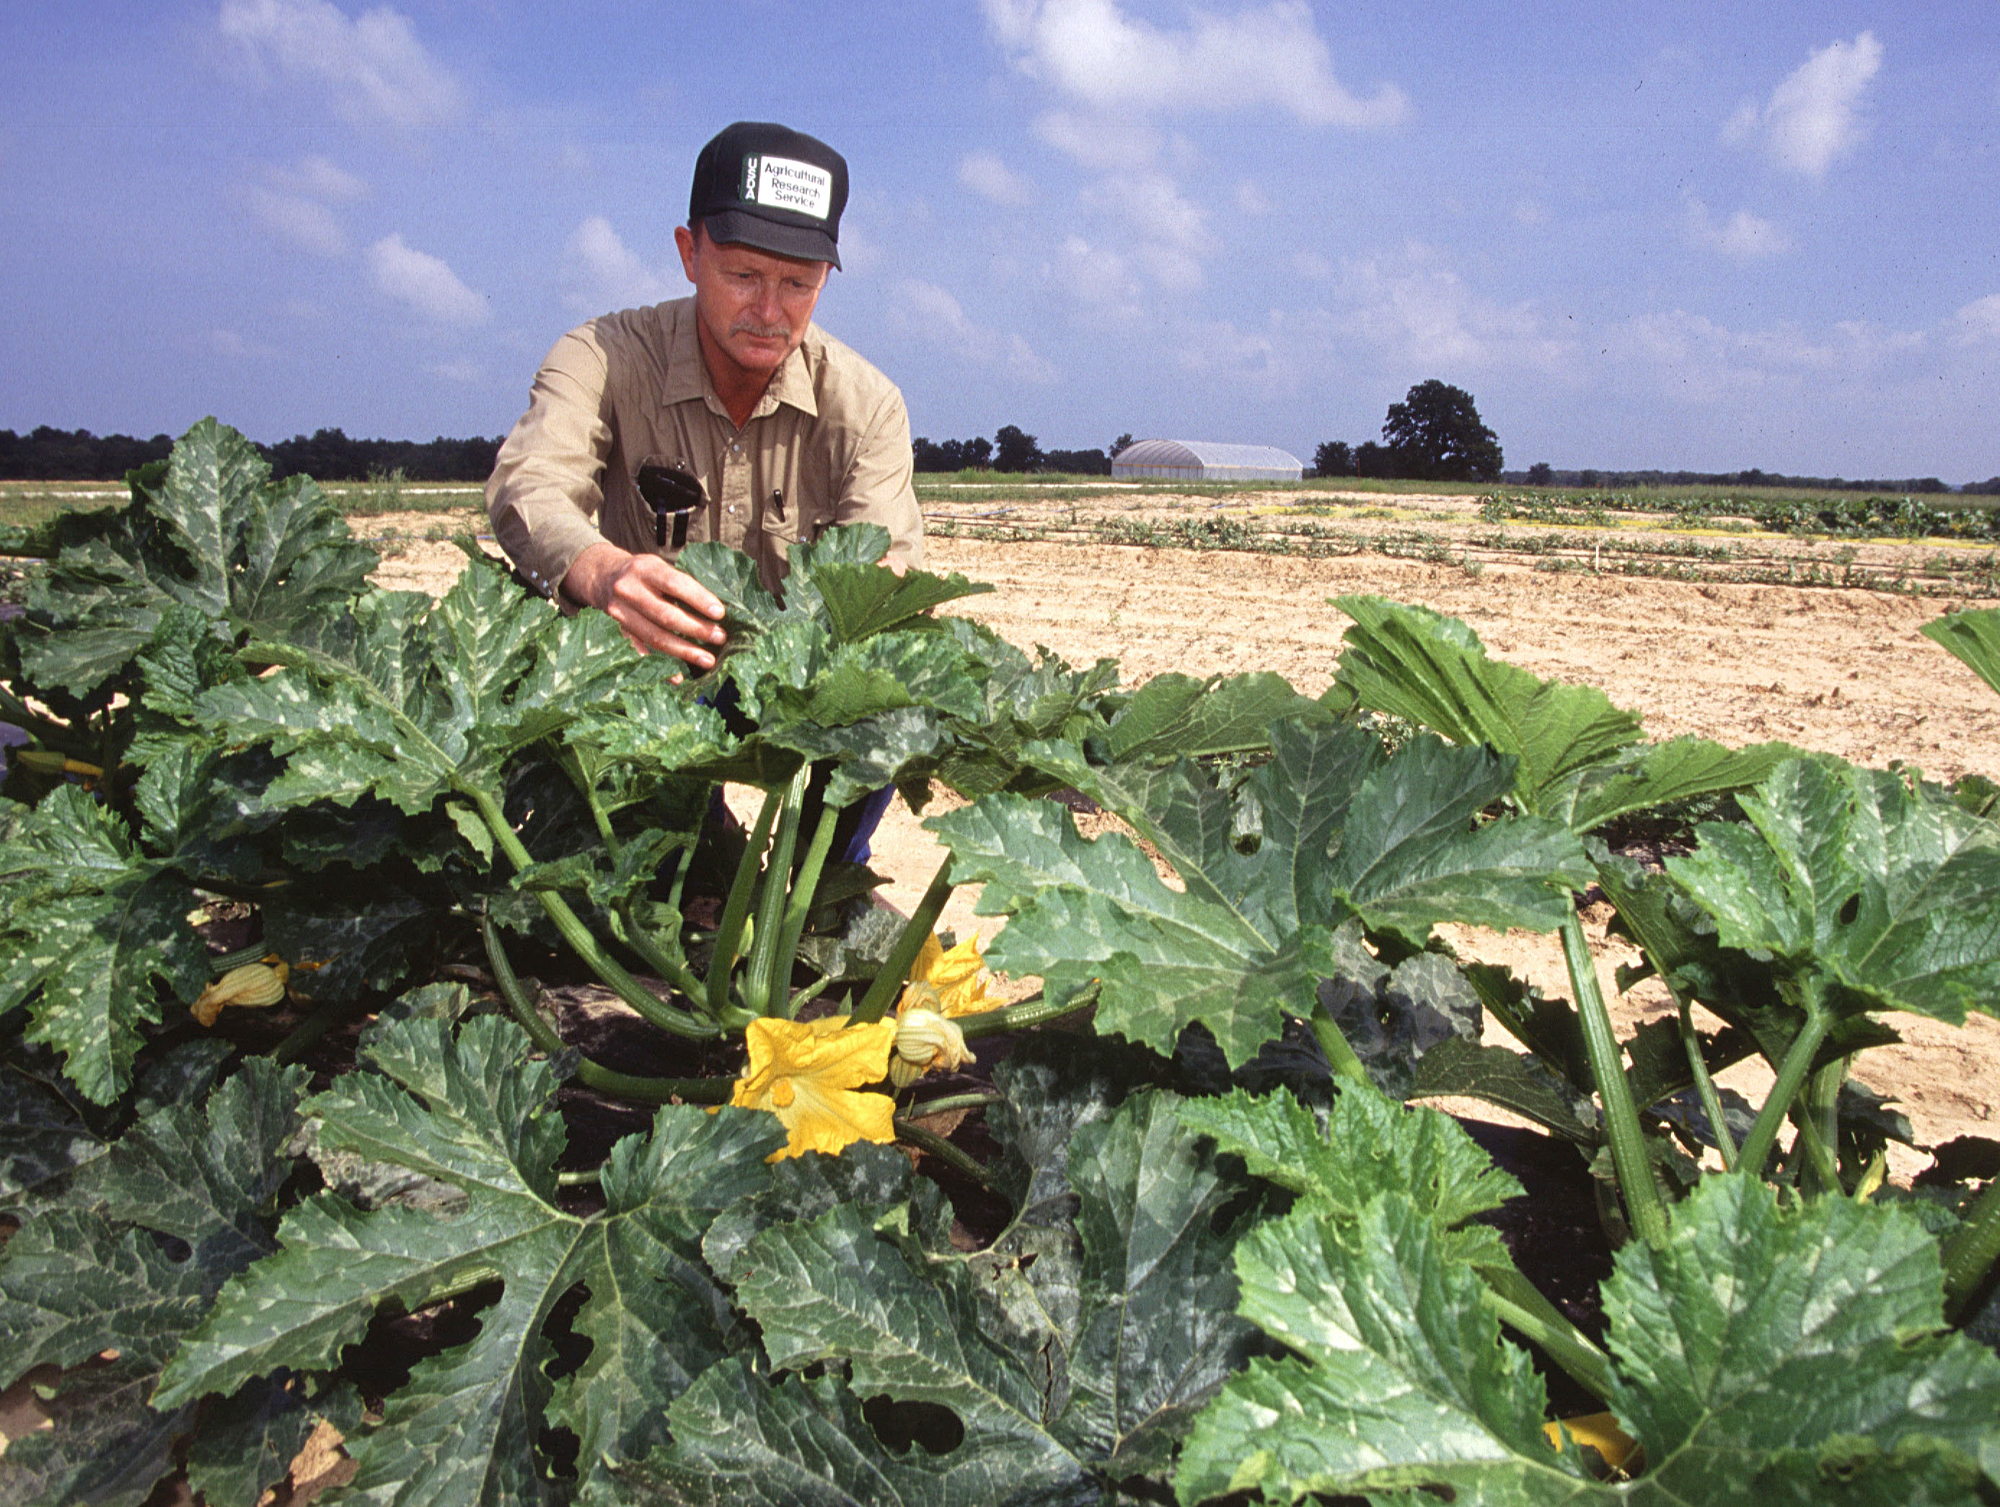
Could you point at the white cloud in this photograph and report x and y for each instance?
(1528, 212)
(305, 223)
(990, 178)
(295, 204)
(1260, 56)
(373, 65)
(1743, 236)
(934, 315)
(1096, 277)
(1251, 199)
(1979, 321)
(1414, 306)
(603, 273)
(232, 345)
(424, 282)
(320, 178)
(464, 373)
(1168, 232)
(1813, 117)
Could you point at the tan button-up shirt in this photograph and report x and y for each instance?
(829, 442)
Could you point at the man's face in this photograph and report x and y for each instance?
(753, 305)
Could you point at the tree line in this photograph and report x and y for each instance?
(47, 454)
(1012, 449)
(1434, 434)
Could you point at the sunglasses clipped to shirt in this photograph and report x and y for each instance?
(673, 495)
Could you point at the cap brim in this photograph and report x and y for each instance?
(735, 227)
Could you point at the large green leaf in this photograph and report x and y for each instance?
(1343, 833)
(1414, 663)
(1866, 893)
(1176, 716)
(1366, 1145)
(469, 1111)
(208, 530)
(1972, 636)
(1581, 758)
(92, 1286)
(94, 924)
(1768, 1356)
(1073, 1353)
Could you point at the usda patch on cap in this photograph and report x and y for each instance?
(764, 185)
(787, 183)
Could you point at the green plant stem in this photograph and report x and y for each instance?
(1520, 1306)
(1704, 1084)
(256, 952)
(736, 909)
(588, 1177)
(1029, 1012)
(937, 1146)
(761, 994)
(1817, 1156)
(1970, 1253)
(792, 924)
(1629, 1159)
(310, 1030)
(591, 1075)
(667, 963)
(1340, 1055)
(1820, 1118)
(903, 956)
(606, 967)
(1791, 1077)
(949, 1102)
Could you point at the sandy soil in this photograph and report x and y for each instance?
(1839, 670)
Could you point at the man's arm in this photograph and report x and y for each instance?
(543, 498)
(879, 486)
(661, 610)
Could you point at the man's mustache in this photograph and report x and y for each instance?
(761, 331)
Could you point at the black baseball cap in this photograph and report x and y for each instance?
(763, 185)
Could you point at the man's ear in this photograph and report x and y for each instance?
(688, 246)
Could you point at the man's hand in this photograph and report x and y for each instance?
(661, 609)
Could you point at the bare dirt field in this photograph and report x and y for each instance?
(1841, 670)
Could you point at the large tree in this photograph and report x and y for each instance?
(1436, 435)
(1015, 451)
(1333, 458)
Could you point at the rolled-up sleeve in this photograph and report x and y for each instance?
(546, 488)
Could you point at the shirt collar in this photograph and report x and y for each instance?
(687, 376)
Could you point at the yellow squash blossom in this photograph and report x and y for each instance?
(806, 1073)
(254, 986)
(942, 985)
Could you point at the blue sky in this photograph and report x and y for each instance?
(1689, 235)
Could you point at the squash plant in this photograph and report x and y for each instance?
(1229, 1260)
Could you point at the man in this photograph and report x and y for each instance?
(776, 430)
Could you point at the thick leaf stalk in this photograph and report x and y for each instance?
(736, 908)
(1969, 1255)
(875, 1003)
(762, 994)
(1791, 1078)
(1629, 1158)
(578, 935)
(592, 1075)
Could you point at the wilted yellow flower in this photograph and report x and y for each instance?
(925, 1040)
(1601, 1432)
(942, 985)
(949, 982)
(806, 1073)
(254, 986)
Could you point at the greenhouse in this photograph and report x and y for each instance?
(1200, 460)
